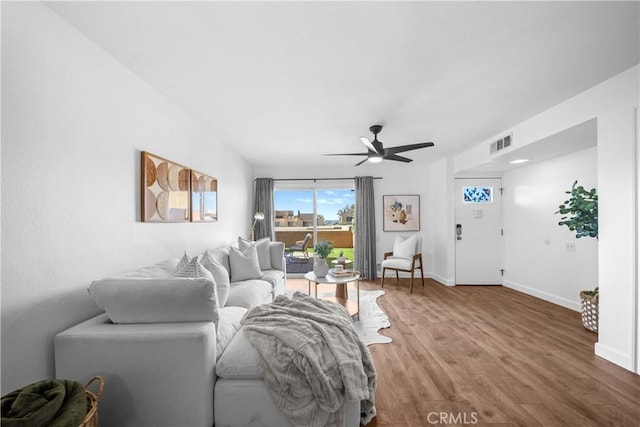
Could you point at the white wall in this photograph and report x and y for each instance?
(612, 103)
(403, 178)
(536, 260)
(616, 248)
(442, 236)
(637, 248)
(74, 123)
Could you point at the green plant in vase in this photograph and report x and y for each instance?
(322, 250)
(580, 211)
(580, 214)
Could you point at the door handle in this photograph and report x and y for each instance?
(458, 231)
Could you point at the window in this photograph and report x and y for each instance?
(477, 194)
(323, 209)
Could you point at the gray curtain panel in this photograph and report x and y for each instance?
(263, 202)
(365, 252)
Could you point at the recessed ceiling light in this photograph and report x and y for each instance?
(518, 161)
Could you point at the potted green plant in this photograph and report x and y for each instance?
(341, 259)
(580, 214)
(322, 250)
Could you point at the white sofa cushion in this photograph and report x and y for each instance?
(262, 247)
(397, 263)
(239, 360)
(244, 264)
(156, 300)
(228, 325)
(273, 277)
(249, 293)
(220, 277)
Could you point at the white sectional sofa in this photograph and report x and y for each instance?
(185, 372)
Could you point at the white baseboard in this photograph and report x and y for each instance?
(614, 356)
(427, 275)
(440, 279)
(571, 305)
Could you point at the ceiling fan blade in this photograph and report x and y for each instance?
(359, 163)
(368, 144)
(398, 158)
(402, 148)
(346, 154)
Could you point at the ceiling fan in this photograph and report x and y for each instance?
(376, 152)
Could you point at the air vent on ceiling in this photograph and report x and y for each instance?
(500, 144)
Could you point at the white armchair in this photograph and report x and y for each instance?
(406, 256)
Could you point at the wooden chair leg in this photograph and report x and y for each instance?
(397, 278)
(411, 285)
(421, 271)
(383, 271)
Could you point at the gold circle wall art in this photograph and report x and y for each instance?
(165, 190)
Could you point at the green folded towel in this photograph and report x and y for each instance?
(54, 403)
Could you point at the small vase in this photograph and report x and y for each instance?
(320, 268)
(341, 260)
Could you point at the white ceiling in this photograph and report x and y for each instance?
(285, 82)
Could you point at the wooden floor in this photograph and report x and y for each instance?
(488, 355)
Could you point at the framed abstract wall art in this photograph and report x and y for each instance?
(401, 212)
(204, 197)
(165, 190)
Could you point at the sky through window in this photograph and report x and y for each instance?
(329, 201)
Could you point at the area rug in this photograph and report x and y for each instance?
(372, 317)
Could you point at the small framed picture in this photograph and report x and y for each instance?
(401, 212)
(204, 197)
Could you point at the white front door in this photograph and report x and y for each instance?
(478, 231)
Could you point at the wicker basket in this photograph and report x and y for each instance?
(91, 420)
(589, 311)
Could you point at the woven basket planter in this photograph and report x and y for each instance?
(91, 419)
(589, 311)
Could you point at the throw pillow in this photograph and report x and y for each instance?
(262, 246)
(193, 269)
(221, 255)
(186, 259)
(244, 265)
(159, 300)
(220, 277)
(404, 248)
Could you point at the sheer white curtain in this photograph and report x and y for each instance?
(365, 251)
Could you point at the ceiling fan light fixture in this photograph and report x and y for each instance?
(376, 151)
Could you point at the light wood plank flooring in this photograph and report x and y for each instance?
(509, 358)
